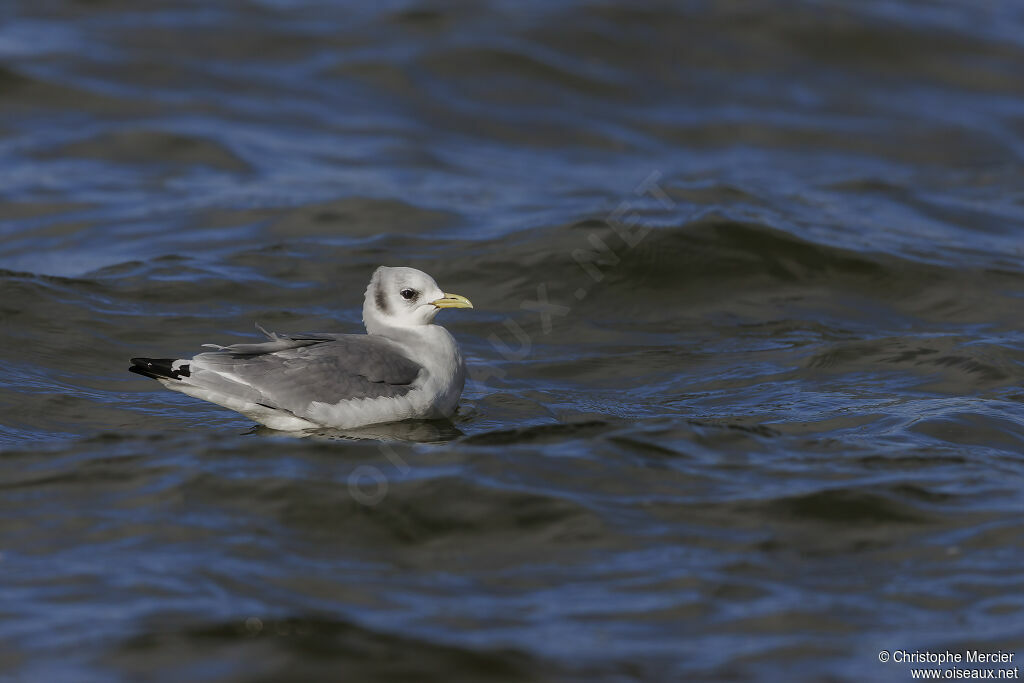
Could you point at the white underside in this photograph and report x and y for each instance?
(271, 417)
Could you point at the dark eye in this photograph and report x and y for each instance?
(408, 294)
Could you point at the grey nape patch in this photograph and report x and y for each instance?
(378, 296)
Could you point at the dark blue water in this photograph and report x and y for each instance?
(746, 355)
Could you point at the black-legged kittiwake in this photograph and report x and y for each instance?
(404, 367)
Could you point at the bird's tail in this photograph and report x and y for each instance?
(160, 368)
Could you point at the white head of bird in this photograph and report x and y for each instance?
(405, 297)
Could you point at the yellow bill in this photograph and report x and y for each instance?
(452, 301)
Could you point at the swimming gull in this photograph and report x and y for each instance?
(404, 367)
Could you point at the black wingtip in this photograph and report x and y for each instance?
(145, 373)
(158, 368)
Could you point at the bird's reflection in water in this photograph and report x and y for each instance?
(415, 431)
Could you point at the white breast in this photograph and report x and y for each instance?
(439, 386)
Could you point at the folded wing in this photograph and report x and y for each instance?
(289, 373)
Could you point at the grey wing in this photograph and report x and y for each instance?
(280, 342)
(292, 372)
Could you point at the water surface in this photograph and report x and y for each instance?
(746, 354)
